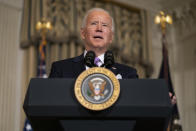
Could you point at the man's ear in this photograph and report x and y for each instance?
(82, 33)
(111, 37)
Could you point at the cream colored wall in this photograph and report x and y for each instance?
(184, 70)
(183, 59)
(10, 65)
(183, 56)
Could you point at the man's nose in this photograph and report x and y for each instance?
(99, 27)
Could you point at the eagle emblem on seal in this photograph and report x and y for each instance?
(97, 88)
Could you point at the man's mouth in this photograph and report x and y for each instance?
(98, 37)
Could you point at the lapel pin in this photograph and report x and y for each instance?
(114, 68)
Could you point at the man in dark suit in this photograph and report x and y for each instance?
(97, 33)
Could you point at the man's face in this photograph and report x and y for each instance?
(97, 33)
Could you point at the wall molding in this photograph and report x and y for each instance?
(11, 6)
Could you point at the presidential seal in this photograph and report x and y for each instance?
(97, 88)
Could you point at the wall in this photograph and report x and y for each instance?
(182, 51)
(183, 59)
(182, 56)
(11, 65)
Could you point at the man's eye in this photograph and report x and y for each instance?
(104, 24)
(93, 23)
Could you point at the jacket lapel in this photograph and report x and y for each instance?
(78, 65)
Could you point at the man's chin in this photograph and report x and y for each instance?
(97, 46)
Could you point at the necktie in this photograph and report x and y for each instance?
(97, 61)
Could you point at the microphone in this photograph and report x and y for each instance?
(89, 59)
(108, 59)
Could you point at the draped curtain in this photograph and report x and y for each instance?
(130, 44)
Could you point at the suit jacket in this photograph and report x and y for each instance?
(72, 67)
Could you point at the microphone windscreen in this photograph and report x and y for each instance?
(89, 59)
(108, 59)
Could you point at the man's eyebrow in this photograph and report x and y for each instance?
(93, 21)
(96, 21)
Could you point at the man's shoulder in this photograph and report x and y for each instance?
(64, 61)
(126, 71)
(124, 67)
(67, 61)
(67, 68)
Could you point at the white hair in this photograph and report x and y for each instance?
(96, 9)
